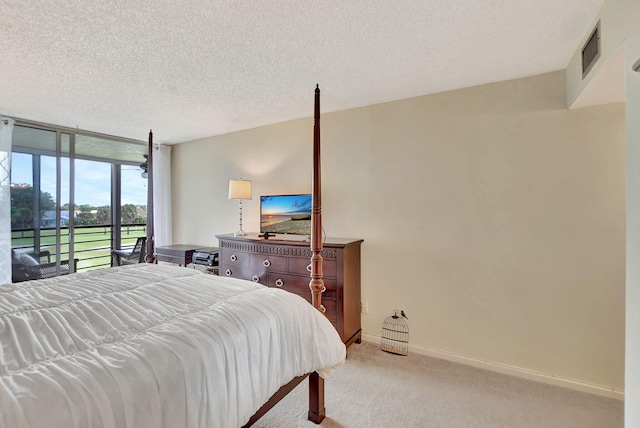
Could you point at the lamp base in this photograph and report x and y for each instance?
(240, 232)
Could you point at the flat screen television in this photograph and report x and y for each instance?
(289, 214)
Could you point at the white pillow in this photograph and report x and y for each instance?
(26, 259)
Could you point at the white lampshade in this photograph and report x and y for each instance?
(240, 189)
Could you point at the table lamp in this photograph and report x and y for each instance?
(240, 189)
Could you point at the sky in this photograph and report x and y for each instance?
(285, 204)
(92, 184)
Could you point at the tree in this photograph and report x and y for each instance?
(128, 213)
(103, 215)
(22, 205)
(85, 218)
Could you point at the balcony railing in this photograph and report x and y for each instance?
(91, 244)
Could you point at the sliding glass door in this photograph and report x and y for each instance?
(40, 177)
(68, 200)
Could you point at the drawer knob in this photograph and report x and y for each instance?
(266, 263)
(323, 309)
(309, 267)
(227, 272)
(233, 257)
(279, 282)
(255, 278)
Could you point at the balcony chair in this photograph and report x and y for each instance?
(129, 257)
(28, 266)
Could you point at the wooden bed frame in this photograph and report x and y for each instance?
(316, 412)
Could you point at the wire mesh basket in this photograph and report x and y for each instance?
(395, 334)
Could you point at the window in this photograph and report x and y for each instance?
(75, 195)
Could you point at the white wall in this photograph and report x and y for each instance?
(632, 375)
(492, 215)
(621, 30)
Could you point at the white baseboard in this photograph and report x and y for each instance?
(511, 370)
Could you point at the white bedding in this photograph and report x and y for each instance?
(152, 346)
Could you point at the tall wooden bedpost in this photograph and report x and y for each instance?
(149, 250)
(317, 411)
(316, 382)
(316, 284)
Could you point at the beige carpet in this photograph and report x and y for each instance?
(377, 389)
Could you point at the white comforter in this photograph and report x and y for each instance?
(152, 346)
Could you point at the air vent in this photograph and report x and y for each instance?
(591, 51)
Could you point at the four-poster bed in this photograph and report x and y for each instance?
(153, 345)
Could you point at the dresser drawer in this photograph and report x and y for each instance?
(330, 306)
(238, 258)
(303, 267)
(328, 301)
(244, 273)
(268, 262)
(331, 309)
(300, 284)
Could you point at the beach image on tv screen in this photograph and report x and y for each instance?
(286, 214)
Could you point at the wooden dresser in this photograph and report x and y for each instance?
(287, 264)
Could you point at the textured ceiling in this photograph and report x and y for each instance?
(191, 69)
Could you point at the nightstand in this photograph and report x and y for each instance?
(178, 253)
